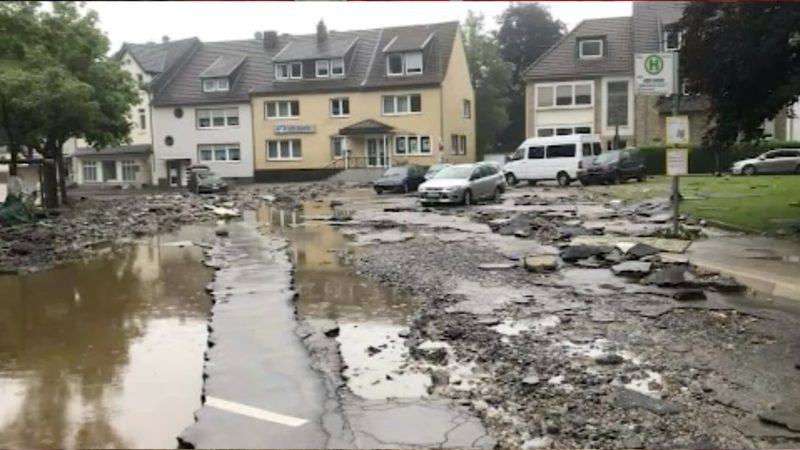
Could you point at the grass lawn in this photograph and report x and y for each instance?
(746, 202)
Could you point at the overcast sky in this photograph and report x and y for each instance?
(214, 21)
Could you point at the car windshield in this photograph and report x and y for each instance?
(454, 172)
(396, 172)
(607, 157)
(436, 167)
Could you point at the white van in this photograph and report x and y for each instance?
(551, 158)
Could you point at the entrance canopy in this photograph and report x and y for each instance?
(366, 127)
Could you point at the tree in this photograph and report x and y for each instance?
(746, 58)
(527, 30)
(58, 84)
(491, 76)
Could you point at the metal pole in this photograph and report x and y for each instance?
(675, 180)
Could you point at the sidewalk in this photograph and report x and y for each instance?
(767, 265)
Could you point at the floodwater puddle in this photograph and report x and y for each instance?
(516, 327)
(370, 316)
(105, 352)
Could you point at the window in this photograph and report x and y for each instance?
(617, 104)
(673, 39)
(139, 77)
(590, 48)
(536, 152)
(323, 67)
(587, 149)
(463, 144)
(583, 130)
(597, 148)
(215, 85)
(178, 113)
(296, 70)
(282, 109)
(281, 71)
(592, 149)
(565, 95)
(467, 109)
(129, 169)
(401, 104)
(89, 170)
(169, 140)
(219, 153)
(284, 150)
(337, 67)
(217, 118)
(545, 132)
(142, 119)
(409, 63)
(413, 63)
(340, 107)
(561, 151)
(412, 145)
(454, 143)
(337, 147)
(563, 131)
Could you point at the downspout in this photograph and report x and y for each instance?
(441, 122)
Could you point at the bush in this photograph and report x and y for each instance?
(704, 160)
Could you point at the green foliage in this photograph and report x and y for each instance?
(527, 31)
(490, 77)
(706, 160)
(745, 56)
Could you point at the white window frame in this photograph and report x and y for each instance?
(395, 102)
(341, 101)
(342, 147)
(277, 115)
(389, 66)
(337, 62)
(213, 148)
(92, 166)
(278, 148)
(627, 130)
(291, 71)
(467, 106)
(129, 166)
(407, 140)
(415, 70)
(217, 85)
(581, 55)
(665, 36)
(555, 86)
(278, 75)
(225, 113)
(322, 64)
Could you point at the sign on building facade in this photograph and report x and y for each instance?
(654, 73)
(294, 129)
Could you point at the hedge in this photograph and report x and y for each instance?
(703, 160)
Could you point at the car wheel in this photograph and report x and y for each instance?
(467, 197)
(511, 179)
(563, 179)
(378, 191)
(749, 170)
(585, 182)
(641, 179)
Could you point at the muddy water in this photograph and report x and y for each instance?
(106, 352)
(370, 316)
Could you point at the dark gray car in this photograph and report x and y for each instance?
(781, 160)
(613, 167)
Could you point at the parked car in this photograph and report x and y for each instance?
(613, 167)
(782, 160)
(400, 179)
(210, 183)
(464, 184)
(551, 158)
(194, 173)
(434, 169)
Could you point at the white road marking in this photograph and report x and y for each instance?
(256, 413)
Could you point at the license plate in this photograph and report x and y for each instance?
(432, 194)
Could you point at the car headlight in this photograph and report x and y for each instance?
(451, 189)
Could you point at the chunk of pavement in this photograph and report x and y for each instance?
(436, 355)
(632, 269)
(538, 442)
(675, 275)
(497, 266)
(532, 379)
(688, 295)
(785, 413)
(440, 378)
(540, 263)
(489, 321)
(404, 333)
(573, 253)
(609, 359)
(627, 399)
(641, 250)
(522, 233)
(570, 231)
(221, 232)
(328, 327)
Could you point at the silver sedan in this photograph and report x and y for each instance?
(464, 184)
(782, 160)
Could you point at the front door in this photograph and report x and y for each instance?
(376, 152)
(174, 172)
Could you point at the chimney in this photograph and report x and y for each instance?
(165, 39)
(258, 35)
(322, 32)
(270, 39)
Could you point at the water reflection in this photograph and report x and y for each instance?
(105, 352)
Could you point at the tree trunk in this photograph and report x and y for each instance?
(50, 186)
(13, 148)
(62, 174)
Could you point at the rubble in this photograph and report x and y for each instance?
(632, 269)
(540, 263)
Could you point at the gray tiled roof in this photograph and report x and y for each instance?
(561, 61)
(155, 58)
(407, 41)
(223, 66)
(365, 66)
(646, 19)
(307, 47)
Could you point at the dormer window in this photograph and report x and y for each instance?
(337, 67)
(281, 72)
(590, 48)
(323, 67)
(289, 71)
(216, 85)
(409, 63)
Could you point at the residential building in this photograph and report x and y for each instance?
(132, 163)
(362, 99)
(585, 82)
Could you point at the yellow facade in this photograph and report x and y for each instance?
(442, 115)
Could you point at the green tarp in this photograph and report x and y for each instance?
(13, 212)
